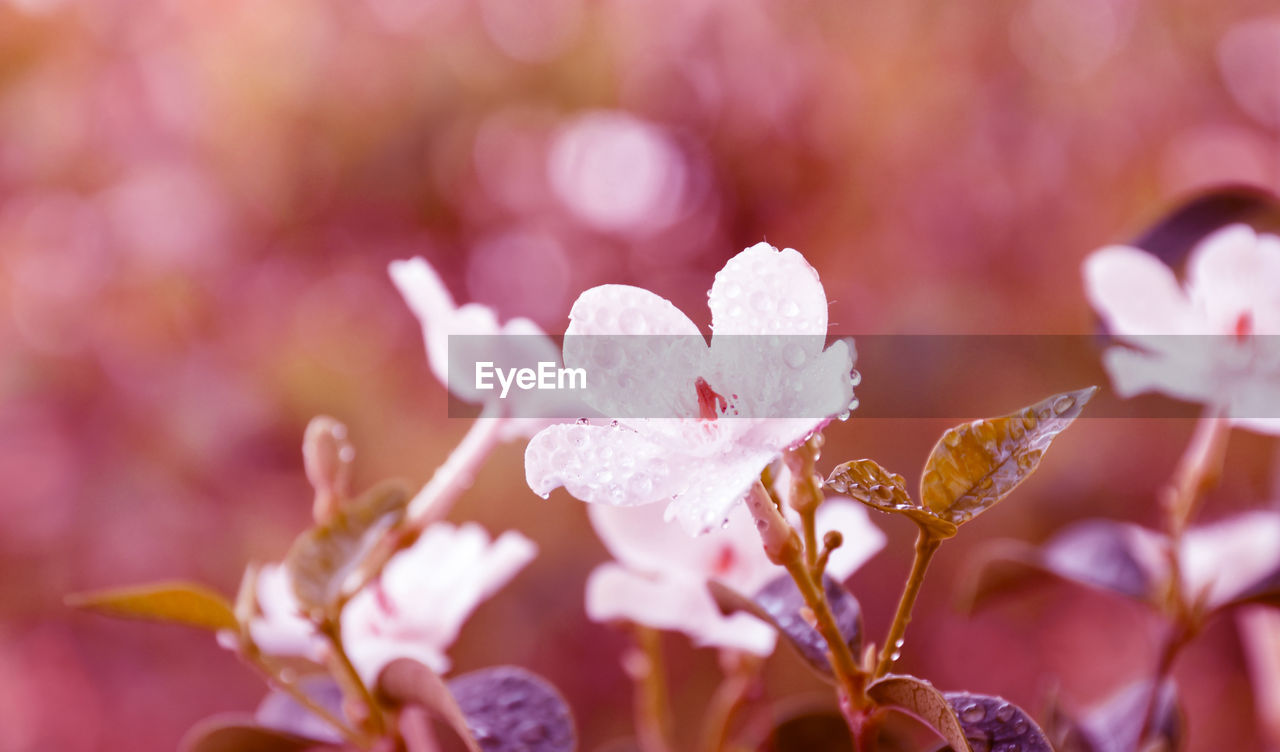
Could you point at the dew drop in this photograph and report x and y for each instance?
(853, 404)
(1063, 404)
(762, 525)
(613, 424)
(631, 321)
(794, 355)
(951, 438)
(973, 713)
(789, 308)
(732, 290)
(762, 301)
(843, 416)
(1004, 713)
(545, 495)
(583, 421)
(855, 377)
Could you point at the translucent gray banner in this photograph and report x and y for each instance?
(897, 376)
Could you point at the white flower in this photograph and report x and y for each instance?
(660, 575)
(413, 611)
(696, 423)
(1224, 352)
(479, 337)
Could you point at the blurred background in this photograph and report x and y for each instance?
(198, 201)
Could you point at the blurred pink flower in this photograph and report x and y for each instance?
(425, 594)
(725, 400)
(1232, 293)
(618, 173)
(1260, 637)
(1224, 559)
(660, 575)
(414, 610)
(477, 329)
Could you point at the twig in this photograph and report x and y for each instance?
(926, 547)
(652, 705)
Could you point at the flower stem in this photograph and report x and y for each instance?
(348, 677)
(741, 671)
(652, 705)
(437, 497)
(1198, 470)
(783, 547)
(926, 546)
(253, 656)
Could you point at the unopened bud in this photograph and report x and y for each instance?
(832, 540)
(327, 456)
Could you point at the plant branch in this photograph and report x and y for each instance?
(783, 547)
(252, 655)
(926, 546)
(652, 705)
(437, 497)
(347, 675)
(741, 671)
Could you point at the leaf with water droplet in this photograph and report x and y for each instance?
(780, 604)
(240, 733)
(868, 482)
(975, 465)
(1113, 556)
(509, 709)
(992, 723)
(322, 558)
(498, 709)
(186, 603)
(921, 699)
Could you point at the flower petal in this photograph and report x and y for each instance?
(641, 539)
(641, 354)
(1136, 294)
(713, 488)
(683, 604)
(601, 464)
(766, 291)
(1229, 556)
(1184, 376)
(1235, 272)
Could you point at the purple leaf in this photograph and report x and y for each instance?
(785, 606)
(509, 709)
(993, 724)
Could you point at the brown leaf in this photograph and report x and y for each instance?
(976, 464)
(323, 557)
(922, 700)
(406, 682)
(871, 484)
(238, 733)
(186, 603)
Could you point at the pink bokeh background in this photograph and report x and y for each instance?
(198, 202)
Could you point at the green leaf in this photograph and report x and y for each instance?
(238, 733)
(976, 464)
(871, 484)
(186, 603)
(323, 557)
(922, 700)
(995, 723)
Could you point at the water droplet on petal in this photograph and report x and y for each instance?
(794, 355)
(789, 308)
(843, 416)
(855, 377)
